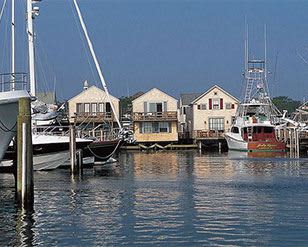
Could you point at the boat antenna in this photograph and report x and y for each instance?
(275, 72)
(13, 45)
(246, 45)
(265, 53)
(265, 63)
(99, 71)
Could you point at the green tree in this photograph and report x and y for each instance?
(286, 103)
(126, 103)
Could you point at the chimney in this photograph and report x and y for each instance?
(85, 85)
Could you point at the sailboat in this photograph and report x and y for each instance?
(102, 150)
(254, 128)
(47, 143)
(13, 86)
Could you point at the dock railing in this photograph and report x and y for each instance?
(97, 133)
(204, 134)
(155, 116)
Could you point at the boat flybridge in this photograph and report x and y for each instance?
(254, 127)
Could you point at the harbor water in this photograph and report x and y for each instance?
(174, 198)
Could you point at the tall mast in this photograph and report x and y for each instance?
(13, 45)
(30, 32)
(246, 45)
(265, 53)
(99, 71)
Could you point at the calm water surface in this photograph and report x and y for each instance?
(165, 198)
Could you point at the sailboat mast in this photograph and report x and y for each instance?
(99, 71)
(13, 45)
(31, 47)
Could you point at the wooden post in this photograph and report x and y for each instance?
(290, 139)
(73, 148)
(297, 142)
(219, 147)
(80, 159)
(25, 194)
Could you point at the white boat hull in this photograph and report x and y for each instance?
(8, 117)
(236, 143)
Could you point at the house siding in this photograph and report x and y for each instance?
(154, 95)
(199, 118)
(141, 105)
(91, 95)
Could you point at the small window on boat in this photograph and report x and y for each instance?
(268, 129)
(235, 130)
(245, 130)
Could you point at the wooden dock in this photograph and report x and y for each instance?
(157, 146)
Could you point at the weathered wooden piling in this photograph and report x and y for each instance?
(199, 145)
(72, 144)
(24, 176)
(79, 155)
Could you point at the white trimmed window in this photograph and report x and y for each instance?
(93, 107)
(202, 107)
(79, 107)
(216, 103)
(216, 123)
(155, 127)
(228, 106)
(87, 107)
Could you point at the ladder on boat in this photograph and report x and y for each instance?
(249, 133)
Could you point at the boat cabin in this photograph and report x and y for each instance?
(256, 133)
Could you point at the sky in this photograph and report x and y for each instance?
(178, 46)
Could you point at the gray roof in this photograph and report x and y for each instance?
(187, 98)
(47, 97)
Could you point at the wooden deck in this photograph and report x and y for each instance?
(155, 116)
(208, 134)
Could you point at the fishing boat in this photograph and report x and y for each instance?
(254, 127)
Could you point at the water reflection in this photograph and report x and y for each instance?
(165, 198)
(156, 163)
(25, 228)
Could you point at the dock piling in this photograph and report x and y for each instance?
(24, 178)
(79, 155)
(72, 144)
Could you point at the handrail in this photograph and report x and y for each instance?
(166, 115)
(208, 133)
(13, 80)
